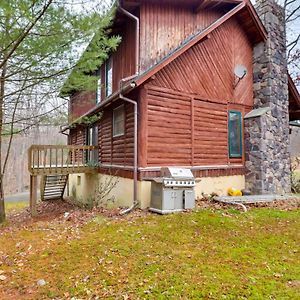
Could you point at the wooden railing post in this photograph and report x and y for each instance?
(33, 195)
(60, 159)
(30, 158)
(73, 157)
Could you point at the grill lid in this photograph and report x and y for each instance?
(177, 173)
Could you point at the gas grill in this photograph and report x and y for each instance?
(173, 191)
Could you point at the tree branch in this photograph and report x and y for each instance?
(25, 33)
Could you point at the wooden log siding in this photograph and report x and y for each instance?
(207, 69)
(164, 26)
(210, 133)
(124, 57)
(77, 137)
(185, 130)
(80, 103)
(189, 100)
(169, 128)
(183, 108)
(105, 137)
(116, 150)
(123, 65)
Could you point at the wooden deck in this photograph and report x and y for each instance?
(54, 163)
(62, 159)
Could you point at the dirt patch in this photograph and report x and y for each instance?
(62, 211)
(47, 211)
(287, 205)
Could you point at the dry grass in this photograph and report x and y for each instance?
(208, 254)
(15, 206)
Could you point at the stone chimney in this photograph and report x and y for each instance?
(267, 126)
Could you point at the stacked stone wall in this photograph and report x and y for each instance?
(267, 135)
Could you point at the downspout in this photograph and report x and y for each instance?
(135, 156)
(122, 97)
(137, 37)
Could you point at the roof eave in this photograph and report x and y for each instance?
(99, 107)
(293, 90)
(259, 25)
(190, 43)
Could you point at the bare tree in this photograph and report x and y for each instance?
(40, 43)
(292, 8)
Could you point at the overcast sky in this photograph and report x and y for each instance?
(294, 28)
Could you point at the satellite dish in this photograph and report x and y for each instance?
(240, 71)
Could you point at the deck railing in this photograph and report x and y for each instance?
(61, 159)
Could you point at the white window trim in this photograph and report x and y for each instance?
(113, 127)
(99, 90)
(109, 61)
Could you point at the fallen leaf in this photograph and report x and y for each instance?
(41, 282)
(2, 277)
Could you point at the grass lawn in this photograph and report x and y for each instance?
(15, 206)
(201, 255)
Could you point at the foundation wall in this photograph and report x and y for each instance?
(219, 185)
(86, 188)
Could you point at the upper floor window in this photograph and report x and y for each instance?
(235, 134)
(98, 90)
(109, 76)
(119, 121)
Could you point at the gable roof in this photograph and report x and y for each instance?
(247, 17)
(294, 97)
(243, 8)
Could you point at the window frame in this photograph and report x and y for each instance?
(240, 119)
(122, 108)
(92, 139)
(99, 89)
(109, 63)
(92, 135)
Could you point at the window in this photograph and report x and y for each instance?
(92, 133)
(119, 121)
(235, 134)
(98, 91)
(92, 140)
(109, 77)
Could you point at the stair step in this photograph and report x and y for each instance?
(53, 193)
(54, 186)
(56, 182)
(51, 198)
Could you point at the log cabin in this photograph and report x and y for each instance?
(200, 84)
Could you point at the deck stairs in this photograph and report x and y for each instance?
(54, 163)
(53, 187)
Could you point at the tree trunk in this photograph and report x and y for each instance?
(2, 93)
(2, 207)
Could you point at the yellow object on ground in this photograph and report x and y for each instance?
(234, 192)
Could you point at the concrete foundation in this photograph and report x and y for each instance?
(88, 188)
